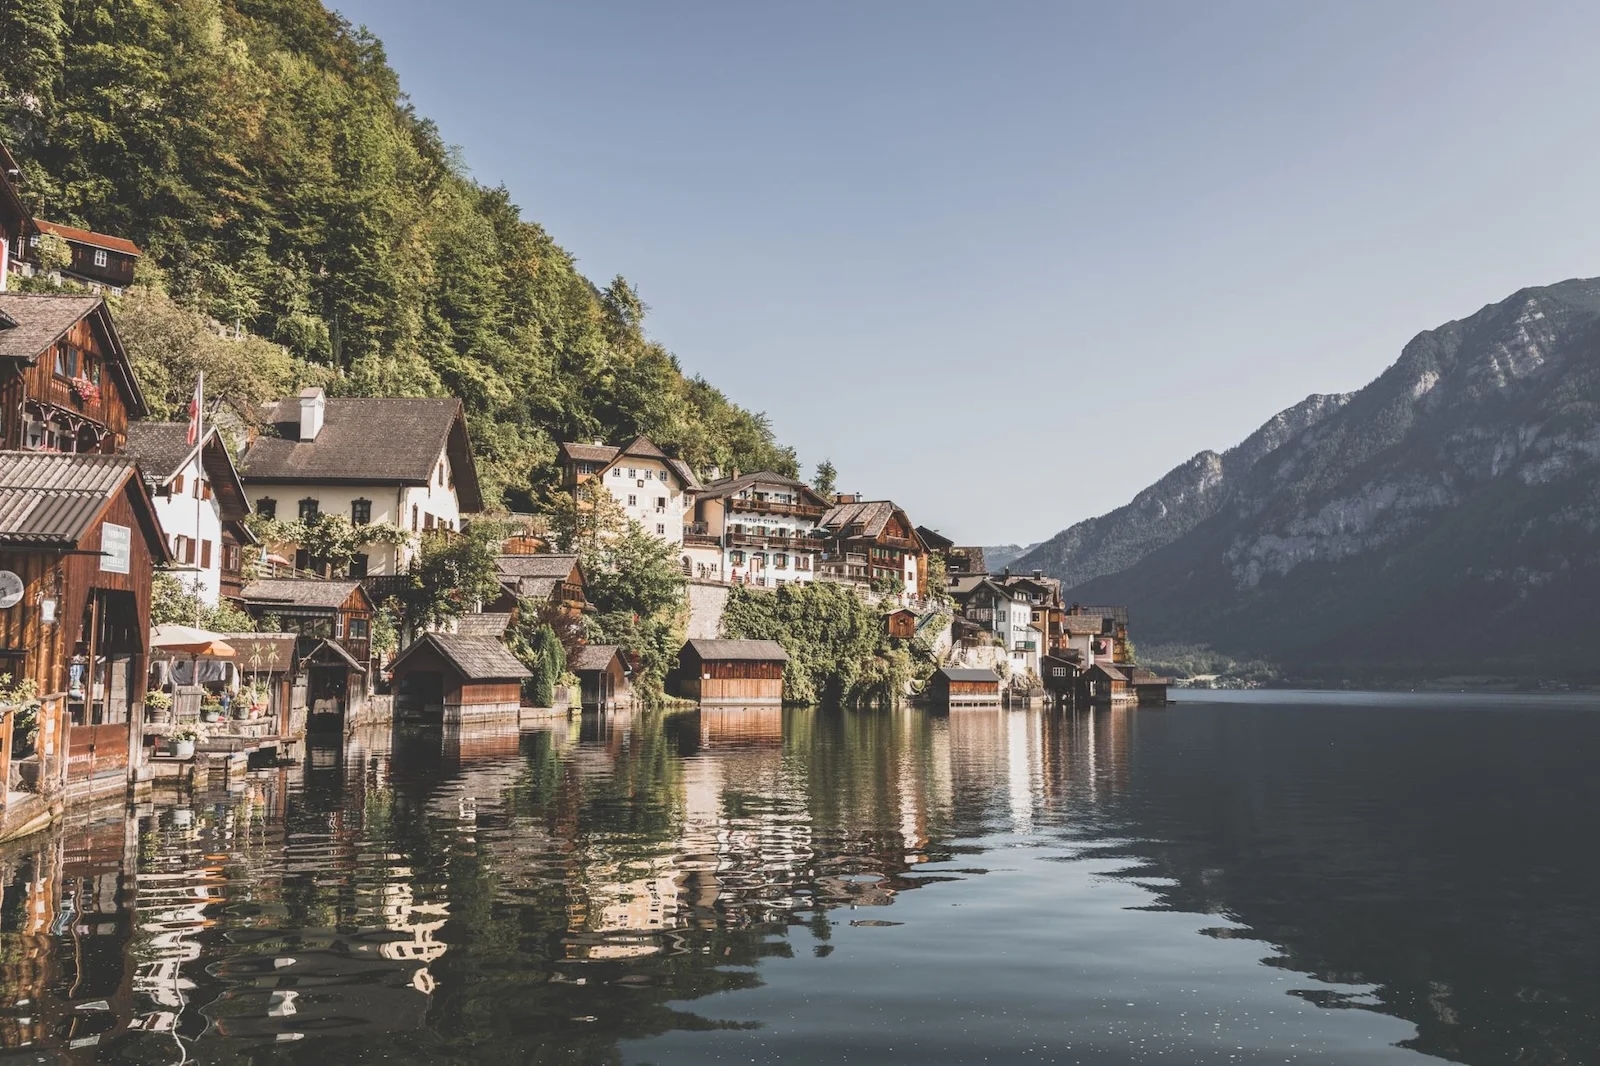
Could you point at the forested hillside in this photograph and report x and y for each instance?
(262, 153)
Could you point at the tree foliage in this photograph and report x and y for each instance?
(451, 575)
(838, 645)
(826, 479)
(536, 646)
(262, 154)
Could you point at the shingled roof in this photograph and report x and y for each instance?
(641, 447)
(872, 516)
(554, 565)
(969, 673)
(299, 592)
(730, 485)
(474, 658)
(52, 499)
(163, 449)
(593, 657)
(366, 440)
(1083, 625)
(89, 237)
(485, 624)
(738, 650)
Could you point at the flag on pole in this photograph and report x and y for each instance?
(195, 401)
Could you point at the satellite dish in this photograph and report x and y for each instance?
(11, 589)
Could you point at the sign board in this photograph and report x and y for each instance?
(116, 547)
(11, 589)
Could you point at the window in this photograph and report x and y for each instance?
(736, 558)
(441, 473)
(338, 628)
(205, 555)
(100, 257)
(661, 530)
(633, 501)
(177, 485)
(427, 521)
(360, 512)
(616, 471)
(188, 551)
(205, 489)
(267, 508)
(66, 360)
(661, 503)
(358, 629)
(780, 562)
(358, 568)
(91, 368)
(232, 558)
(308, 510)
(414, 526)
(632, 472)
(649, 475)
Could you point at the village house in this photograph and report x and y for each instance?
(401, 461)
(14, 217)
(458, 679)
(1004, 611)
(79, 542)
(100, 261)
(1107, 684)
(873, 544)
(201, 504)
(333, 623)
(1061, 676)
(66, 384)
(652, 488)
(901, 624)
(554, 582)
(755, 529)
(744, 673)
(953, 687)
(605, 680)
(965, 560)
(1044, 594)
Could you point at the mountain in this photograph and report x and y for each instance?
(998, 556)
(1184, 497)
(264, 156)
(1442, 521)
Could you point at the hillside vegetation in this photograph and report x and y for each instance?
(262, 154)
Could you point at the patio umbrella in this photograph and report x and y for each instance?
(187, 640)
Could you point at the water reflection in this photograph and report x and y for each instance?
(671, 888)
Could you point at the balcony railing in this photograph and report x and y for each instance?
(804, 510)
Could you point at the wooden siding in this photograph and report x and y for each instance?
(40, 384)
(748, 691)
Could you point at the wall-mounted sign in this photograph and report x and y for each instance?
(47, 611)
(116, 548)
(11, 589)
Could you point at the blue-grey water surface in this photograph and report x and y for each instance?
(1239, 878)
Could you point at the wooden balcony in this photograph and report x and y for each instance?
(763, 506)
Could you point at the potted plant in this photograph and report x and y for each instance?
(181, 741)
(156, 705)
(22, 699)
(210, 709)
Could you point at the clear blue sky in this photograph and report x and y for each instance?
(1007, 263)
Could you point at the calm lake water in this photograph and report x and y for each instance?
(1257, 878)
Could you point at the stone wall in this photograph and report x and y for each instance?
(706, 602)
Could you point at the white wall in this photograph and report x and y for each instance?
(184, 514)
(645, 481)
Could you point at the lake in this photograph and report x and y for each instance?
(1239, 878)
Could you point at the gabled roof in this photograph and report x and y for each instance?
(41, 319)
(89, 237)
(484, 624)
(299, 592)
(1141, 675)
(738, 650)
(474, 658)
(163, 450)
(1083, 625)
(729, 486)
(1110, 671)
(52, 499)
(556, 565)
(968, 673)
(935, 540)
(641, 447)
(872, 516)
(969, 558)
(593, 657)
(366, 440)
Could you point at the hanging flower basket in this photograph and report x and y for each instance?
(85, 390)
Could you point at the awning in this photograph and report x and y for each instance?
(187, 640)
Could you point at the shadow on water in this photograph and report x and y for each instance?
(656, 887)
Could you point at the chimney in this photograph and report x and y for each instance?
(735, 472)
(1038, 575)
(313, 405)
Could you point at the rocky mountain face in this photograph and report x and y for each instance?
(1443, 520)
(1184, 497)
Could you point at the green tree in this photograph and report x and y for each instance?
(826, 479)
(537, 647)
(451, 575)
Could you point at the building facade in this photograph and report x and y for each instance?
(871, 543)
(758, 529)
(652, 488)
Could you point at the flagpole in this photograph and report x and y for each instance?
(199, 482)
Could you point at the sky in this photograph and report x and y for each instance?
(1008, 263)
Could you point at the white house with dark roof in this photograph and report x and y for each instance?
(405, 461)
(758, 529)
(653, 488)
(201, 504)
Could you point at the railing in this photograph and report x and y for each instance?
(803, 510)
(700, 540)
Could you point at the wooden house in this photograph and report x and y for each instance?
(901, 624)
(201, 503)
(458, 680)
(99, 260)
(605, 681)
(1105, 683)
(1061, 675)
(952, 687)
(747, 673)
(879, 530)
(79, 543)
(554, 581)
(66, 384)
(15, 221)
(332, 621)
(1149, 688)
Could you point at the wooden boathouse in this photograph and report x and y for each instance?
(745, 673)
(605, 682)
(457, 679)
(964, 686)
